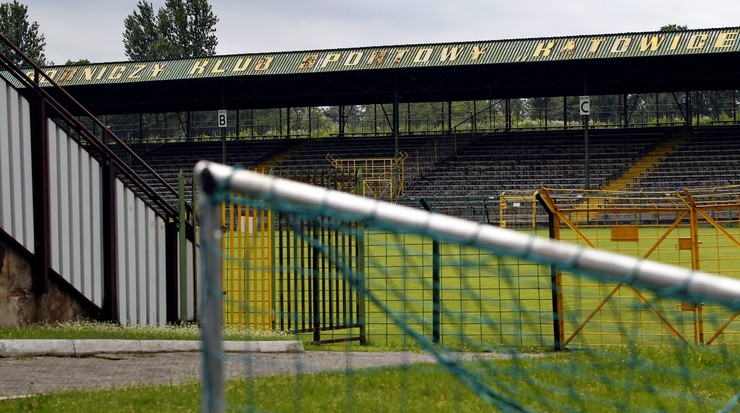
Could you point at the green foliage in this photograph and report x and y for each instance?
(89, 330)
(141, 39)
(14, 25)
(71, 62)
(674, 28)
(180, 29)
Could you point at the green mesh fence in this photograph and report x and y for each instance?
(450, 315)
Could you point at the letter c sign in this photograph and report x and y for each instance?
(585, 105)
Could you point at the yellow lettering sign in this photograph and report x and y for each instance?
(198, 67)
(621, 45)
(674, 42)
(725, 40)
(478, 52)
(697, 41)
(449, 54)
(101, 73)
(353, 59)
(330, 58)
(399, 55)
(242, 64)
(651, 44)
(309, 61)
(423, 55)
(67, 75)
(543, 49)
(569, 48)
(50, 73)
(217, 67)
(158, 68)
(136, 73)
(88, 73)
(263, 64)
(538, 49)
(377, 58)
(594, 47)
(116, 72)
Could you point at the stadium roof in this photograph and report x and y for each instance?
(595, 64)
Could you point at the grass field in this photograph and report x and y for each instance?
(613, 381)
(628, 347)
(490, 300)
(623, 360)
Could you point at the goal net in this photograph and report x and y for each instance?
(457, 315)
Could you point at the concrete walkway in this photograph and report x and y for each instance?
(44, 366)
(81, 348)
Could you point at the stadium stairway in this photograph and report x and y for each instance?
(273, 160)
(654, 157)
(634, 173)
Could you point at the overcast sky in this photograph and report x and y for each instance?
(93, 29)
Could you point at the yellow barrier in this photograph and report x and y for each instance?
(380, 177)
(697, 228)
(247, 267)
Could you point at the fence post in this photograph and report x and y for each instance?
(436, 282)
(556, 280)
(182, 252)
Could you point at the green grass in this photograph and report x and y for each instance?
(416, 389)
(649, 379)
(94, 330)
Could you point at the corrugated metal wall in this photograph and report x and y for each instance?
(141, 261)
(75, 214)
(16, 183)
(76, 189)
(193, 259)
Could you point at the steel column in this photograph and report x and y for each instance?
(396, 123)
(41, 218)
(110, 238)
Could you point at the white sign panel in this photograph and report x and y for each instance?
(221, 118)
(585, 105)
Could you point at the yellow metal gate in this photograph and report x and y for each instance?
(247, 266)
(291, 273)
(695, 229)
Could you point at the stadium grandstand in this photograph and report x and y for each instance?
(466, 121)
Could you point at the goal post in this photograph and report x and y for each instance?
(211, 298)
(505, 254)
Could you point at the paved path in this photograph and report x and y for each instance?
(26, 375)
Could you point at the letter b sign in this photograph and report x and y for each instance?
(221, 118)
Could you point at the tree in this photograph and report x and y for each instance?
(71, 62)
(140, 37)
(25, 36)
(180, 29)
(673, 28)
